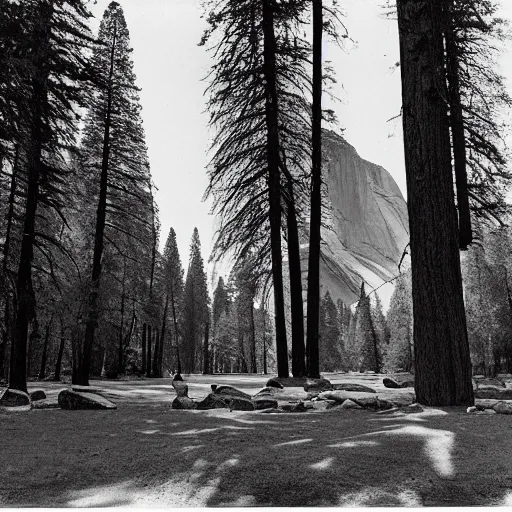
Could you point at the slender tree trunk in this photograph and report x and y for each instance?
(162, 337)
(144, 350)
(457, 129)
(297, 305)
(93, 313)
(274, 182)
(148, 348)
(313, 304)
(441, 349)
(254, 367)
(156, 353)
(7, 331)
(58, 364)
(120, 352)
(42, 371)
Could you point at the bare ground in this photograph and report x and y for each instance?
(145, 454)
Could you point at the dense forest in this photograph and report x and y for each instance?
(87, 292)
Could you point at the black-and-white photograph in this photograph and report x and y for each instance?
(255, 253)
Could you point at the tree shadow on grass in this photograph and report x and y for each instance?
(157, 456)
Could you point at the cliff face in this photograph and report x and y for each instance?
(369, 225)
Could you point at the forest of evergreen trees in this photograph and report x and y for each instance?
(85, 290)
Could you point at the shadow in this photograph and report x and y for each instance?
(145, 454)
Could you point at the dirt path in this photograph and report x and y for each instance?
(145, 454)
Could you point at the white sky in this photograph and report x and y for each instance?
(170, 66)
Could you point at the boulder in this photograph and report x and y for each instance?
(231, 392)
(298, 407)
(494, 393)
(241, 404)
(341, 396)
(412, 409)
(503, 408)
(181, 388)
(349, 386)
(399, 380)
(264, 403)
(183, 402)
(401, 399)
(349, 404)
(47, 403)
(375, 403)
(319, 385)
(267, 392)
(13, 398)
(74, 400)
(37, 394)
(212, 401)
(274, 383)
(495, 383)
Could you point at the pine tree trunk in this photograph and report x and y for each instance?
(313, 301)
(42, 371)
(254, 366)
(457, 128)
(93, 313)
(148, 353)
(38, 134)
(144, 350)
(120, 351)
(441, 350)
(155, 354)
(296, 303)
(7, 331)
(274, 182)
(58, 364)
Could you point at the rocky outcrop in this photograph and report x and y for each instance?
(74, 400)
(37, 394)
(368, 216)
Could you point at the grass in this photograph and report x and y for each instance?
(145, 454)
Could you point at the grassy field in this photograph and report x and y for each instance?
(145, 454)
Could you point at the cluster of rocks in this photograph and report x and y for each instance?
(321, 395)
(74, 398)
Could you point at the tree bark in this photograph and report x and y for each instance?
(148, 353)
(144, 330)
(42, 371)
(93, 313)
(441, 350)
(296, 303)
(274, 182)
(206, 349)
(58, 364)
(175, 322)
(162, 337)
(254, 367)
(156, 353)
(457, 130)
(313, 300)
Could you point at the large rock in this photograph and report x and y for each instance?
(14, 398)
(181, 388)
(74, 400)
(37, 394)
(313, 385)
(369, 230)
(268, 392)
(340, 396)
(213, 401)
(399, 380)
(274, 383)
(241, 404)
(350, 386)
(231, 392)
(47, 403)
(183, 402)
(263, 402)
(488, 382)
(374, 403)
(494, 393)
(503, 408)
(349, 404)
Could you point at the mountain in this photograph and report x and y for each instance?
(368, 223)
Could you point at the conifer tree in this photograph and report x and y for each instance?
(114, 165)
(366, 339)
(329, 335)
(195, 306)
(49, 79)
